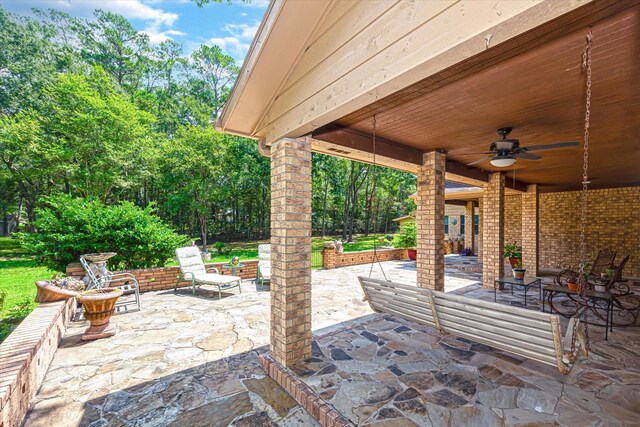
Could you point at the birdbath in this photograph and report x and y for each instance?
(99, 306)
(99, 265)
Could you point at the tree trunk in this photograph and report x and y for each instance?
(324, 205)
(202, 219)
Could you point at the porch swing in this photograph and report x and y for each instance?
(531, 334)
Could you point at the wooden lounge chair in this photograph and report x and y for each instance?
(126, 282)
(263, 275)
(192, 269)
(523, 332)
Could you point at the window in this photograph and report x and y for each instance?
(462, 224)
(446, 224)
(476, 224)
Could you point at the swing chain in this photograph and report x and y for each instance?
(375, 220)
(582, 279)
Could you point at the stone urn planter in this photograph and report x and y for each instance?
(48, 292)
(99, 306)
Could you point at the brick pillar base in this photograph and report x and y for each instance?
(430, 221)
(493, 230)
(530, 223)
(328, 258)
(291, 250)
(468, 225)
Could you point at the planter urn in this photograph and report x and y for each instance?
(518, 273)
(572, 286)
(48, 292)
(412, 254)
(99, 306)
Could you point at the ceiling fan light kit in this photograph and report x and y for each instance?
(502, 161)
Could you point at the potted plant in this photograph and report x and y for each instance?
(406, 239)
(466, 252)
(514, 253)
(572, 282)
(519, 272)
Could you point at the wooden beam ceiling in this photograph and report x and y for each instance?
(536, 85)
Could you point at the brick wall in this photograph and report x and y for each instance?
(512, 218)
(334, 259)
(25, 356)
(613, 220)
(161, 278)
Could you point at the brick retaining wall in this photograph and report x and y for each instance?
(25, 356)
(161, 278)
(334, 259)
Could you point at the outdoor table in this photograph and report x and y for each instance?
(527, 283)
(233, 268)
(590, 295)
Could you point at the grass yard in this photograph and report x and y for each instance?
(17, 277)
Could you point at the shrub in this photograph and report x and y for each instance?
(69, 227)
(407, 237)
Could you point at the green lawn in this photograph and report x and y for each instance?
(17, 277)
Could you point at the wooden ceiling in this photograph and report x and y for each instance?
(541, 94)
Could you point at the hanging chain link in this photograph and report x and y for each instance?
(375, 218)
(582, 279)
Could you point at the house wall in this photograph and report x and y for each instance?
(613, 220)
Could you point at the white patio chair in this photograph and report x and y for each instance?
(126, 282)
(192, 269)
(263, 274)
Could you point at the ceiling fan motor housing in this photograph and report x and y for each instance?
(505, 145)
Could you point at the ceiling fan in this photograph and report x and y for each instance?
(505, 151)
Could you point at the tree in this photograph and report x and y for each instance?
(192, 168)
(113, 43)
(211, 76)
(105, 138)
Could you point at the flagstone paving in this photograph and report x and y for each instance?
(193, 360)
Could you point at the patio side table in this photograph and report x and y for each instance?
(233, 268)
(527, 282)
(592, 299)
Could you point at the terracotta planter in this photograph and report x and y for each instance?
(572, 286)
(412, 254)
(515, 262)
(99, 306)
(48, 292)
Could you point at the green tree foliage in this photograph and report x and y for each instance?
(69, 227)
(89, 108)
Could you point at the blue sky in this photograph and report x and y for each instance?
(230, 26)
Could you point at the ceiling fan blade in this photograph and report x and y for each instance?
(528, 156)
(552, 146)
(484, 159)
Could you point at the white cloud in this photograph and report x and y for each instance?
(238, 40)
(258, 4)
(158, 22)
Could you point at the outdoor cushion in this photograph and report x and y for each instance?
(265, 270)
(214, 279)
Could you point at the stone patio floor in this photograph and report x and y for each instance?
(193, 360)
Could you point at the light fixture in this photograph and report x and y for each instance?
(502, 161)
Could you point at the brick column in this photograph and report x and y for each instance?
(530, 223)
(480, 208)
(493, 230)
(468, 225)
(328, 258)
(291, 250)
(430, 221)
